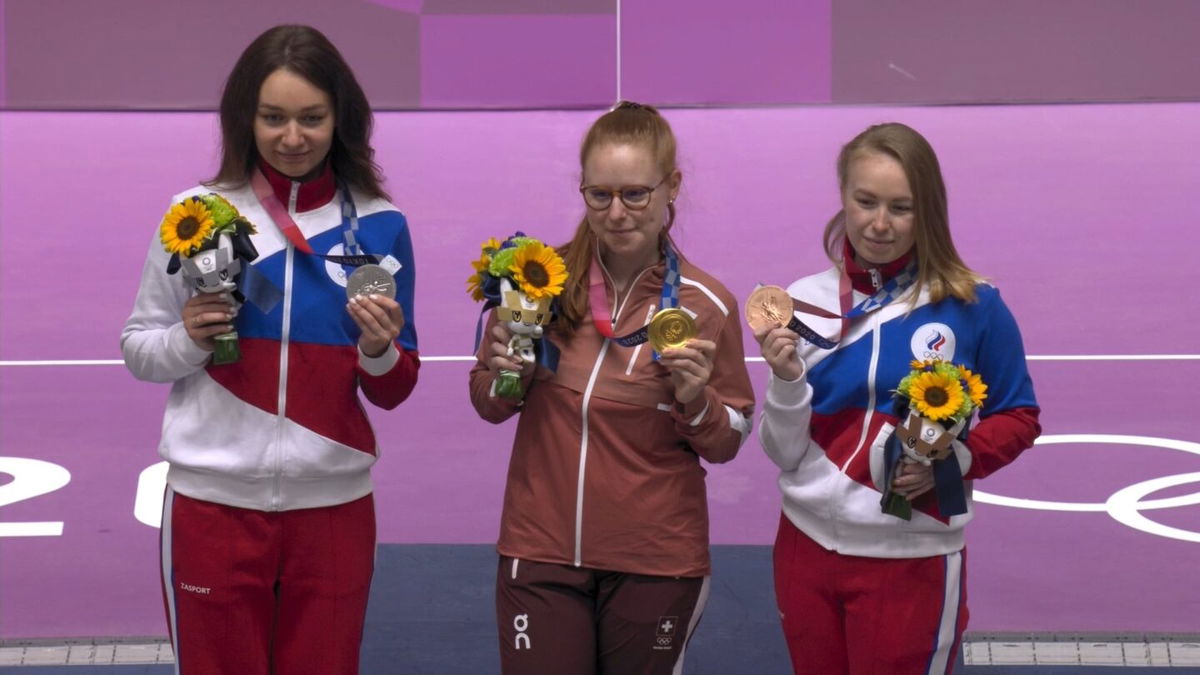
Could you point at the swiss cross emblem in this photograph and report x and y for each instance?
(666, 625)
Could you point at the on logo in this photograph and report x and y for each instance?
(521, 623)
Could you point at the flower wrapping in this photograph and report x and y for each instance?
(936, 401)
(520, 277)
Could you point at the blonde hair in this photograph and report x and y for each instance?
(627, 123)
(939, 267)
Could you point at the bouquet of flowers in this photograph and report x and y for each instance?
(938, 393)
(208, 239)
(521, 276)
(940, 398)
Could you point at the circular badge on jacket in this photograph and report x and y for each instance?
(933, 342)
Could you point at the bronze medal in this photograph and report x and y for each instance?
(768, 306)
(671, 328)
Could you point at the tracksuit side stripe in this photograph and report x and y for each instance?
(167, 571)
(943, 641)
(701, 602)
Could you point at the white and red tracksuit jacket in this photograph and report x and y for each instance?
(826, 430)
(283, 427)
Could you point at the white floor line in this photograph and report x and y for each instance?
(1179, 652)
(84, 653)
(749, 359)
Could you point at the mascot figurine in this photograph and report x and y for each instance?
(525, 318)
(210, 241)
(519, 277)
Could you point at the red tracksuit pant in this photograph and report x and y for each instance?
(253, 592)
(864, 616)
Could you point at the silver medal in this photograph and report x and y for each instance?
(371, 280)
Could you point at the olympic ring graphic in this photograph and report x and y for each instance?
(1125, 505)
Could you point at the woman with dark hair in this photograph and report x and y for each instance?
(604, 561)
(268, 532)
(862, 589)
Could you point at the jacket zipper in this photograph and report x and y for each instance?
(587, 398)
(872, 369)
(284, 335)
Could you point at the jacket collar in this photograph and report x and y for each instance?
(870, 280)
(312, 194)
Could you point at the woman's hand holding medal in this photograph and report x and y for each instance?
(689, 359)
(371, 293)
(690, 366)
(779, 350)
(380, 319)
(767, 311)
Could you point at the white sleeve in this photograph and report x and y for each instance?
(783, 427)
(154, 342)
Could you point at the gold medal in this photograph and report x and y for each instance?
(768, 306)
(671, 328)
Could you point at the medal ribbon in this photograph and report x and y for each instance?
(256, 288)
(283, 220)
(894, 288)
(598, 299)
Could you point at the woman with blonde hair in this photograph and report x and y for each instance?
(604, 560)
(860, 588)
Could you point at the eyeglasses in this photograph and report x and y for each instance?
(634, 197)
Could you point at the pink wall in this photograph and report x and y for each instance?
(464, 54)
(1092, 244)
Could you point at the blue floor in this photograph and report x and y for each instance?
(432, 609)
(432, 613)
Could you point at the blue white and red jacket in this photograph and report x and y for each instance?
(826, 430)
(283, 427)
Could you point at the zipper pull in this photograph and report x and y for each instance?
(876, 279)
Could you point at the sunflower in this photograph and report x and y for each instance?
(539, 270)
(490, 246)
(475, 286)
(976, 389)
(186, 226)
(475, 281)
(936, 396)
(483, 262)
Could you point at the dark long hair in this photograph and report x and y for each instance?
(304, 51)
(635, 124)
